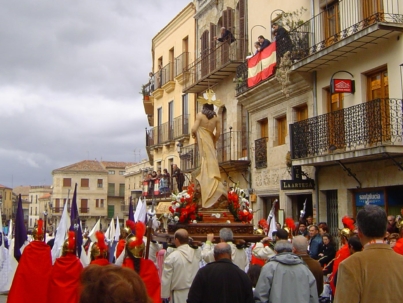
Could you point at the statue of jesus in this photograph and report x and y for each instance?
(209, 175)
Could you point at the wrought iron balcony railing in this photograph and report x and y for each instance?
(84, 210)
(165, 74)
(232, 146)
(261, 152)
(181, 62)
(168, 131)
(189, 156)
(213, 60)
(181, 126)
(340, 20)
(374, 123)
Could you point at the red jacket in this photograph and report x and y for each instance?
(32, 276)
(149, 274)
(64, 280)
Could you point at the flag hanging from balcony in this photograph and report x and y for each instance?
(76, 223)
(261, 66)
(20, 230)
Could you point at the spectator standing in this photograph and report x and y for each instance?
(263, 42)
(221, 281)
(327, 253)
(285, 279)
(300, 246)
(226, 36)
(362, 277)
(315, 242)
(179, 177)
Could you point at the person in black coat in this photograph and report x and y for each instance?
(283, 40)
(221, 281)
(327, 253)
(263, 42)
(226, 36)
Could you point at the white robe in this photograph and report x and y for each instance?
(239, 257)
(180, 268)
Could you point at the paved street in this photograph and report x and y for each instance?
(3, 299)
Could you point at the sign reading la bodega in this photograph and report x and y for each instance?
(297, 184)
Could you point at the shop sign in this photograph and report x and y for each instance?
(297, 184)
(370, 198)
(342, 86)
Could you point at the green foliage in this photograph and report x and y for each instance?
(291, 20)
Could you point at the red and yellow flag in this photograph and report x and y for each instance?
(261, 66)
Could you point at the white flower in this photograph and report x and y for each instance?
(244, 200)
(187, 196)
(216, 215)
(194, 221)
(176, 218)
(250, 210)
(177, 204)
(228, 222)
(165, 215)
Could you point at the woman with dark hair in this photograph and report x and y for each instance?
(327, 254)
(112, 284)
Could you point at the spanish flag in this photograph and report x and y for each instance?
(261, 66)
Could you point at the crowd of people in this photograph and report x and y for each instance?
(298, 263)
(157, 183)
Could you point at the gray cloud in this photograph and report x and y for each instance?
(70, 76)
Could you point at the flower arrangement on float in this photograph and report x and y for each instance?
(184, 209)
(238, 205)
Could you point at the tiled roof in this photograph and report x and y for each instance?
(45, 196)
(83, 166)
(111, 164)
(3, 186)
(23, 190)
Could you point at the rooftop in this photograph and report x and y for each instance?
(5, 187)
(111, 164)
(22, 189)
(83, 166)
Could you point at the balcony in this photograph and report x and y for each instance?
(231, 153)
(181, 127)
(366, 131)
(347, 26)
(181, 62)
(168, 132)
(190, 159)
(213, 66)
(84, 210)
(261, 152)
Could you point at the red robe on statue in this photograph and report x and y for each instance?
(64, 280)
(342, 254)
(31, 278)
(149, 274)
(101, 262)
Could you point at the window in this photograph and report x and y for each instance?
(85, 182)
(378, 85)
(264, 128)
(111, 172)
(36, 199)
(66, 182)
(36, 211)
(111, 189)
(100, 183)
(301, 112)
(99, 203)
(121, 172)
(281, 130)
(68, 203)
(331, 16)
(111, 211)
(30, 222)
(159, 124)
(204, 52)
(30, 210)
(57, 205)
(121, 190)
(170, 120)
(84, 206)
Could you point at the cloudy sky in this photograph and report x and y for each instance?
(70, 76)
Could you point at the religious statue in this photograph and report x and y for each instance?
(208, 176)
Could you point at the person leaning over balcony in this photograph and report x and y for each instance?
(226, 36)
(283, 40)
(263, 42)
